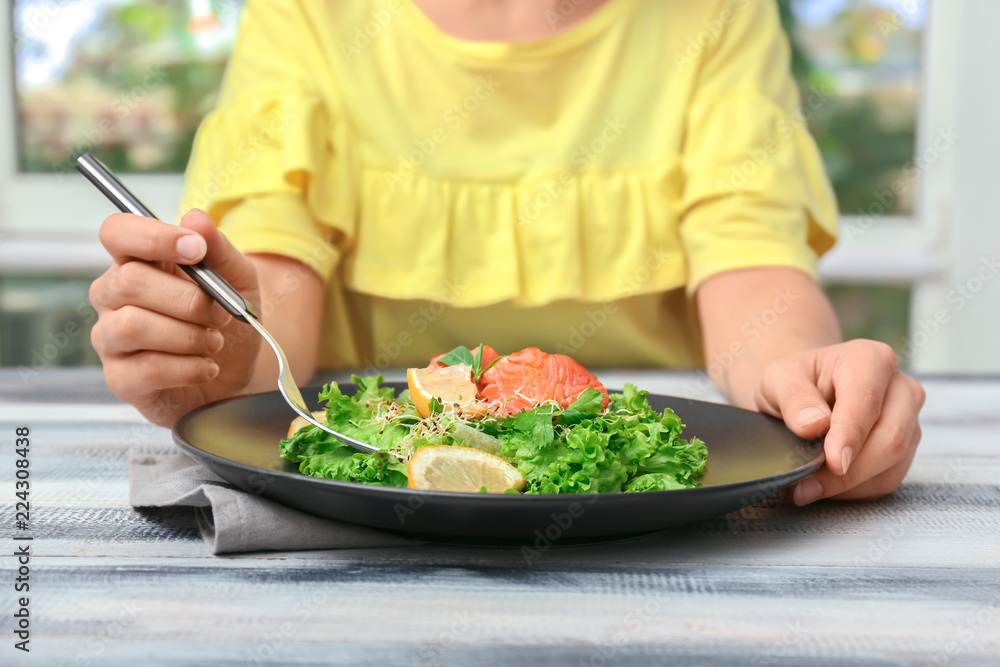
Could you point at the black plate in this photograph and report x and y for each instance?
(750, 457)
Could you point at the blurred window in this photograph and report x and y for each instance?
(128, 80)
(45, 322)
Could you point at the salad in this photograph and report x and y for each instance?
(475, 421)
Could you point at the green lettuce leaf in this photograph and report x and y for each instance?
(654, 481)
(587, 405)
(584, 449)
(320, 454)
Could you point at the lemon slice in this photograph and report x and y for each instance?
(473, 437)
(448, 384)
(300, 423)
(464, 469)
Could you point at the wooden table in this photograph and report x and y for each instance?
(912, 579)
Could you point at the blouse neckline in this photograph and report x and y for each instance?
(562, 41)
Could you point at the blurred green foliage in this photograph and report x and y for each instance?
(866, 138)
(876, 312)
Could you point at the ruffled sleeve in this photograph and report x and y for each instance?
(756, 192)
(271, 163)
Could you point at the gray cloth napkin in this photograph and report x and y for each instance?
(232, 520)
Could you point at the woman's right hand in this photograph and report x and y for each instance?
(166, 346)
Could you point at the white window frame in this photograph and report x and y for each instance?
(49, 223)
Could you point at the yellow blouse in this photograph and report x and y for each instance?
(569, 192)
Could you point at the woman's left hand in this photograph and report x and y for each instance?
(855, 394)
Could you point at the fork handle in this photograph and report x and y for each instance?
(210, 281)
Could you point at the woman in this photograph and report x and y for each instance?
(626, 181)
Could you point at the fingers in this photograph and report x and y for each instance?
(881, 485)
(788, 391)
(130, 237)
(873, 433)
(860, 381)
(131, 329)
(221, 255)
(885, 482)
(141, 284)
(885, 456)
(140, 375)
(161, 339)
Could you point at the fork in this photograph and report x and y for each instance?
(217, 288)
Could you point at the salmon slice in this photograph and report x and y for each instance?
(524, 379)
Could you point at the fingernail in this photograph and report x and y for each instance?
(220, 317)
(807, 491)
(213, 369)
(845, 458)
(808, 416)
(191, 247)
(215, 341)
